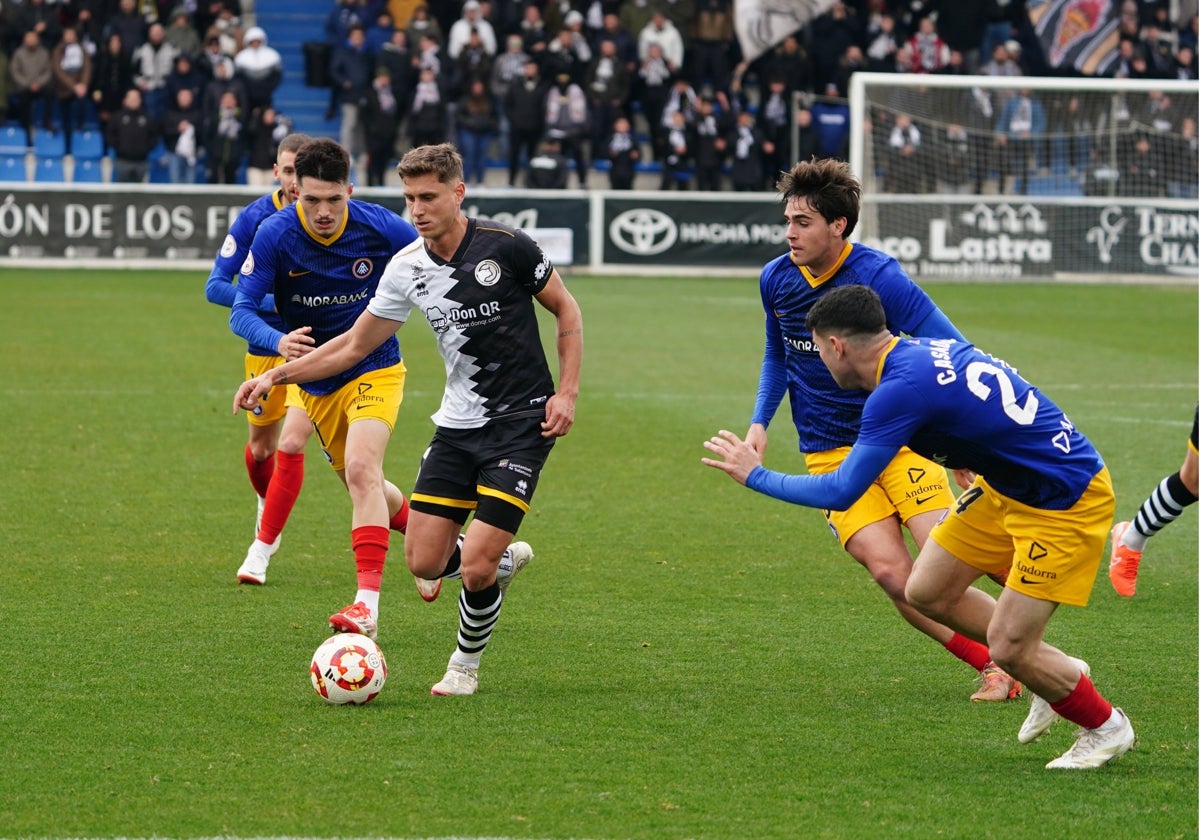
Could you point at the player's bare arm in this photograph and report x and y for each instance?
(560, 408)
(334, 356)
(738, 457)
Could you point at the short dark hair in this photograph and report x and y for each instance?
(828, 185)
(293, 142)
(441, 159)
(323, 159)
(849, 311)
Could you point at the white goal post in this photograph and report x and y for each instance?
(980, 177)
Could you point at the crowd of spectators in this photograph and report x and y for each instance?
(1139, 143)
(561, 88)
(185, 76)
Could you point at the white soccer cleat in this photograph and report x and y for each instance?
(1041, 717)
(460, 680)
(516, 557)
(1096, 747)
(254, 568)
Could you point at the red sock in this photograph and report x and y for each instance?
(370, 544)
(260, 472)
(1084, 706)
(281, 495)
(969, 651)
(399, 522)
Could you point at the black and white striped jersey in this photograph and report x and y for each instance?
(480, 306)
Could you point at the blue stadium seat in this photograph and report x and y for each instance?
(49, 170)
(87, 144)
(12, 168)
(159, 172)
(49, 143)
(12, 140)
(87, 171)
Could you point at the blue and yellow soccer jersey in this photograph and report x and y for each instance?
(220, 288)
(826, 417)
(965, 409)
(319, 282)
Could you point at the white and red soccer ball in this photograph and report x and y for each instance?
(348, 668)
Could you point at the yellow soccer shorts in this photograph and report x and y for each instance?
(1054, 554)
(273, 405)
(375, 395)
(910, 485)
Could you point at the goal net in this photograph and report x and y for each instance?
(977, 177)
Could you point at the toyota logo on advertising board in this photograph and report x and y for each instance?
(643, 232)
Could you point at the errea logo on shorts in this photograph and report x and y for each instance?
(487, 273)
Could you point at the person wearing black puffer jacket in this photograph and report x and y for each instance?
(132, 134)
(525, 106)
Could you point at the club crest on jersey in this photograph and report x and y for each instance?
(487, 273)
(229, 246)
(248, 265)
(363, 268)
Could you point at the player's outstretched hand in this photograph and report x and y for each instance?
(738, 457)
(250, 392)
(297, 343)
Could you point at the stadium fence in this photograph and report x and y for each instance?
(979, 177)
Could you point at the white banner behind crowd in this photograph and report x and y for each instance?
(761, 24)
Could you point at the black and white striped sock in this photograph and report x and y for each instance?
(1161, 508)
(477, 615)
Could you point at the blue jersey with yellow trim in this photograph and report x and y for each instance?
(825, 416)
(320, 282)
(220, 288)
(958, 406)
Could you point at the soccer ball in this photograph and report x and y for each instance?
(348, 668)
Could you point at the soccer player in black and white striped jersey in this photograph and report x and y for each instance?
(475, 283)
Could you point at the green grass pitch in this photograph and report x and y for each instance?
(683, 659)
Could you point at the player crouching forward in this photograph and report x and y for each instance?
(1041, 502)
(475, 282)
